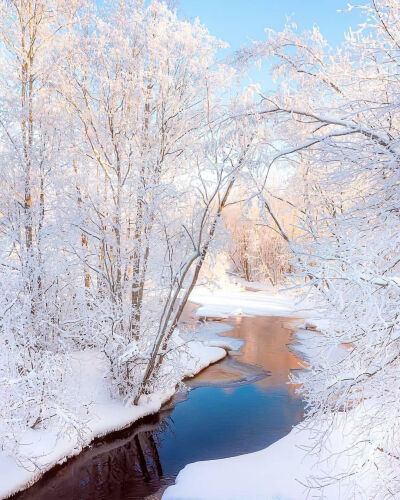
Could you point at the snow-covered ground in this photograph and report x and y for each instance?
(279, 472)
(40, 450)
(234, 301)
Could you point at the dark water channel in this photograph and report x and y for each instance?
(237, 406)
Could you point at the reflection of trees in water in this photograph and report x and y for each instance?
(137, 457)
(147, 444)
(126, 467)
(136, 461)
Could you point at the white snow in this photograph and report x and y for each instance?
(236, 302)
(42, 449)
(279, 472)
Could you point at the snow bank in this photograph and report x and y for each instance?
(279, 472)
(261, 475)
(236, 302)
(42, 449)
(207, 334)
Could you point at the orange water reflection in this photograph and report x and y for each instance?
(266, 346)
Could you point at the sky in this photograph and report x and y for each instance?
(238, 22)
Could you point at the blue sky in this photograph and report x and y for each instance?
(239, 22)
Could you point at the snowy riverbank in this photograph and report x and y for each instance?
(278, 472)
(234, 301)
(40, 449)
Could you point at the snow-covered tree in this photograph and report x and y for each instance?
(33, 271)
(336, 115)
(119, 152)
(146, 99)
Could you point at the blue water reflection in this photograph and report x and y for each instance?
(216, 422)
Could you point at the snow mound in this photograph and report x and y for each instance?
(223, 304)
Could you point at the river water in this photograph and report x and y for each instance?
(239, 405)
